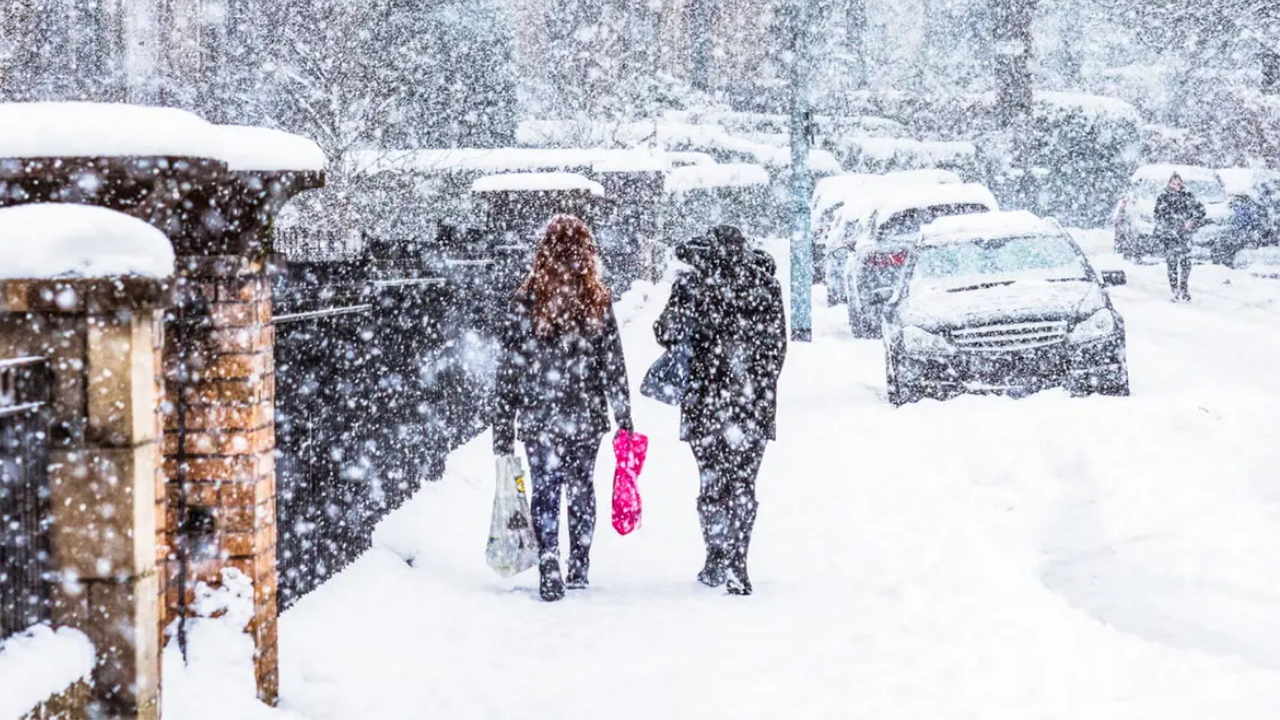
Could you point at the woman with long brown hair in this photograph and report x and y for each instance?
(561, 369)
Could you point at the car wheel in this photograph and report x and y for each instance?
(896, 392)
(858, 323)
(1118, 387)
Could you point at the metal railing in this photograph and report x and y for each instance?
(25, 386)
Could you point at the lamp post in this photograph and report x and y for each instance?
(801, 179)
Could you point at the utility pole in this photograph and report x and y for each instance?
(801, 180)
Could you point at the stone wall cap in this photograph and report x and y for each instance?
(83, 129)
(259, 149)
(54, 240)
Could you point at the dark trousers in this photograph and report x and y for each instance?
(1179, 264)
(564, 465)
(727, 502)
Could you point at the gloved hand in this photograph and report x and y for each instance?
(624, 423)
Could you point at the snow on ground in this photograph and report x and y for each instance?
(981, 558)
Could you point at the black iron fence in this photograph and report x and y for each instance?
(383, 365)
(24, 494)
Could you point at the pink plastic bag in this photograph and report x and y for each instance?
(630, 448)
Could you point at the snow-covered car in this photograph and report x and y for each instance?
(1002, 302)
(829, 197)
(840, 203)
(873, 248)
(1135, 213)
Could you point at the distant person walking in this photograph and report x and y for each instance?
(1178, 215)
(727, 312)
(561, 369)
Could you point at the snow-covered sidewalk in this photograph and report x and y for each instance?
(982, 558)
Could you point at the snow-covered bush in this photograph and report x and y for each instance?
(1082, 151)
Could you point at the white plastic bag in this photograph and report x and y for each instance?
(512, 547)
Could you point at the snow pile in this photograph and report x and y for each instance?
(539, 182)
(884, 154)
(76, 129)
(217, 680)
(703, 177)
(261, 149)
(40, 663)
(56, 240)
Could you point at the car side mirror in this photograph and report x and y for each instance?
(1114, 278)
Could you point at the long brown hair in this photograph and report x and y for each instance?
(564, 284)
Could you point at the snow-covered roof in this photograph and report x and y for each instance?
(1163, 171)
(896, 199)
(75, 129)
(698, 177)
(246, 148)
(55, 240)
(40, 663)
(957, 228)
(634, 162)
(497, 160)
(537, 182)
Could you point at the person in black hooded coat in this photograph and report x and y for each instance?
(728, 312)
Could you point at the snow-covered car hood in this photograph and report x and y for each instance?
(935, 308)
(1144, 211)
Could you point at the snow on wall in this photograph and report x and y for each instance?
(216, 681)
(263, 149)
(54, 240)
(533, 182)
(74, 129)
(40, 663)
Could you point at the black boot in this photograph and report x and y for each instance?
(713, 572)
(550, 586)
(576, 573)
(715, 526)
(744, 522)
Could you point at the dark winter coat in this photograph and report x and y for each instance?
(728, 310)
(560, 386)
(1174, 209)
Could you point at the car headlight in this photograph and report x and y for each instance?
(920, 341)
(1099, 325)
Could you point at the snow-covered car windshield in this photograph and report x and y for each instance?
(1045, 256)
(909, 222)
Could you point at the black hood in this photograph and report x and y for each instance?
(725, 250)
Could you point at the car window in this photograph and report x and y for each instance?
(1054, 256)
(1207, 190)
(909, 222)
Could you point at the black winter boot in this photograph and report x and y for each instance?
(550, 585)
(715, 522)
(576, 572)
(744, 522)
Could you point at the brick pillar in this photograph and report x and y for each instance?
(103, 339)
(220, 440)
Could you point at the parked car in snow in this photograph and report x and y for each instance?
(1002, 302)
(1135, 213)
(1254, 195)
(873, 248)
(831, 195)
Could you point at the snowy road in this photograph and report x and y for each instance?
(982, 558)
